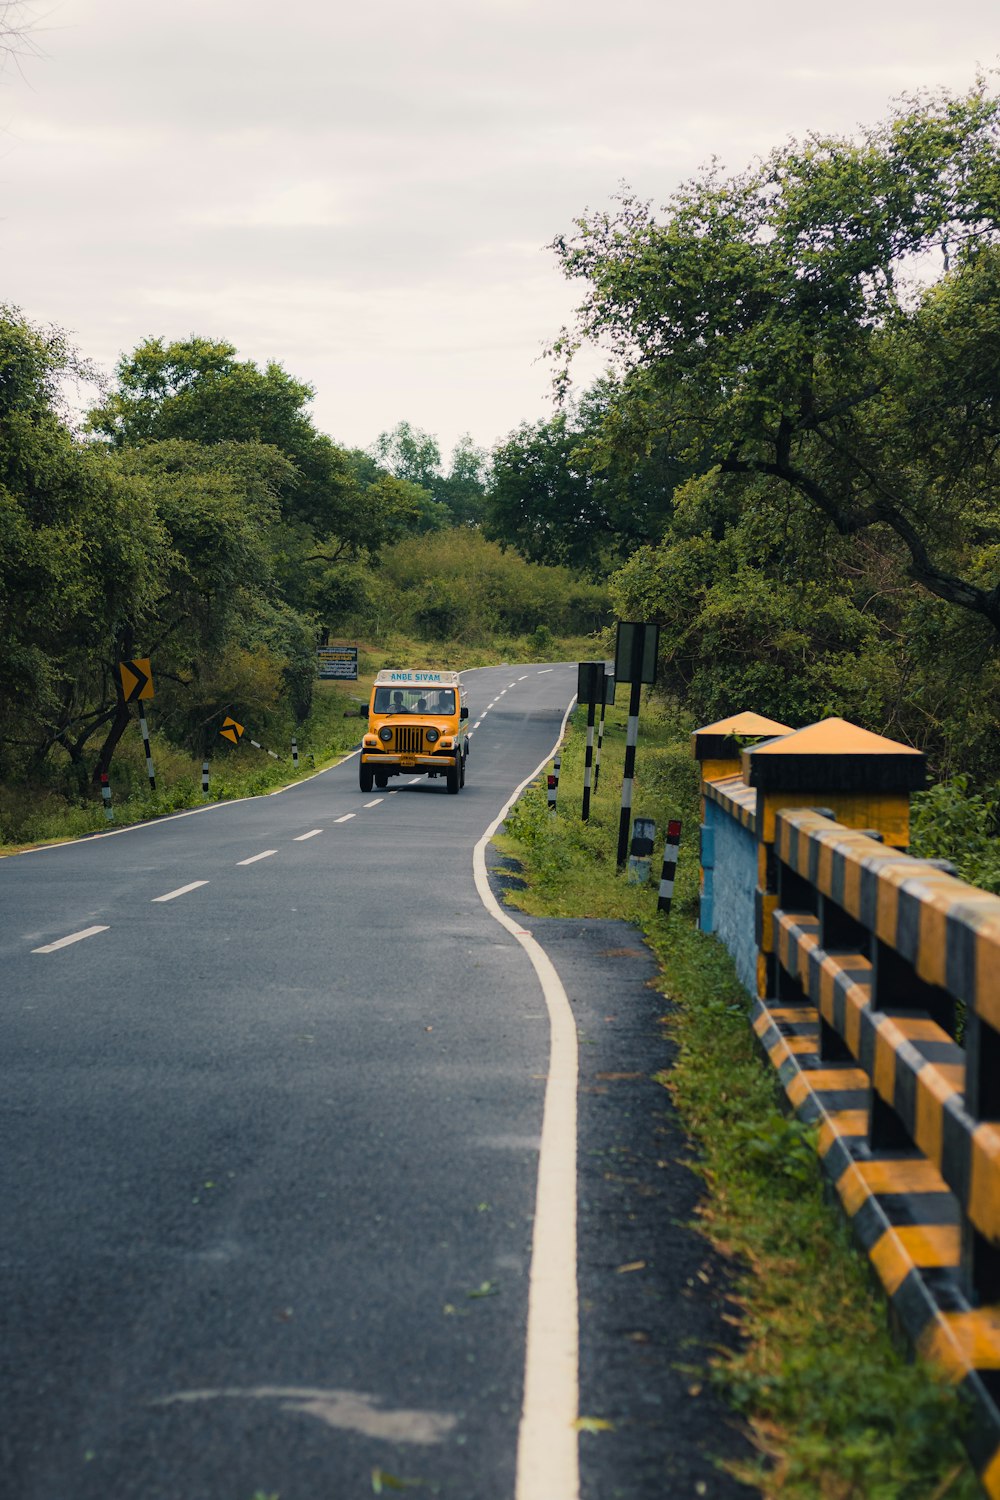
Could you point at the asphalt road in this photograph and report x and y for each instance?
(270, 1146)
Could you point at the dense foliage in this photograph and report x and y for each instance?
(201, 519)
(817, 342)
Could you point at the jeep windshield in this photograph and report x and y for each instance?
(414, 700)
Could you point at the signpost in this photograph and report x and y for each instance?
(337, 662)
(636, 647)
(609, 697)
(589, 689)
(137, 684)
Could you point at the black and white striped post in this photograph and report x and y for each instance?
(204, 777)
(636, 647)
(554, 784)
(295, 754)
(590, 684)
(669, 870)
(258, 746)
(609, 697)
(145, 745)
(109, 811)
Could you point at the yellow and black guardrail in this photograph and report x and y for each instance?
(877, 985)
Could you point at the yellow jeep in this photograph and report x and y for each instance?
(417, 721)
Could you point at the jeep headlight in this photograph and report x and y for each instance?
(433, 735)
(385, 734)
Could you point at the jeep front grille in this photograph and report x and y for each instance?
(409, 740)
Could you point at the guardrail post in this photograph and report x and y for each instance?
(553, 784)
(718, 749)
(204, 777)
(669, 871)
(109, 811)
(295, 754)
(864, 781)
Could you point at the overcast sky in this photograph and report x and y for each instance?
(364, 191)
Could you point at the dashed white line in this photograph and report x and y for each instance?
(255, 857)
(542, 670)
(375, 802)
(74, 937)
(300, 838)
(181, 890)
(346, 818)
(477, 723)
(524, 678)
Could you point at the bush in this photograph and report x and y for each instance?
(949, 821)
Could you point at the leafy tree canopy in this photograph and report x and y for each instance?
(455, 498)
(197, 391)
(561, 493)
(779, 324)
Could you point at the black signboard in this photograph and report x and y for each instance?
(338, 661)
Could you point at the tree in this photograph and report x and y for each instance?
(409, 454)
(772, 325)
(197, 391)
(413, 456)
(82, 553)
(463, 490)
(561, 493)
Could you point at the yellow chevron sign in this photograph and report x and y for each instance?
(231, 731)
(137, 679)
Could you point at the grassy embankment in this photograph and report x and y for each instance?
(836, 1409)
(51, 811)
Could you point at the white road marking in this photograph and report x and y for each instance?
(346, 818)
(352, 1411)
(477, 723)
(74, 937)
(415, 780)
(548, 1462)
(524, 678)
(300, 838)
(512, 684)
(181, 890)
(542, 670)
(375, 803)
(255, 857)
(394, 792)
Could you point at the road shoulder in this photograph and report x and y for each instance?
(654, 1295)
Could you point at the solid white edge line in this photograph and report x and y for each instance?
(181, 890)
(548, 1463)
(255, 857)
(74, 937)
(300, 838)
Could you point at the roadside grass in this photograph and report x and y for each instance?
(836, 1409)
(30, 816)
(55, 811)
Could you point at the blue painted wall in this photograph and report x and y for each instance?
(727, 905)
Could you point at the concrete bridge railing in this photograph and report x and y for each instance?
(875, 980)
